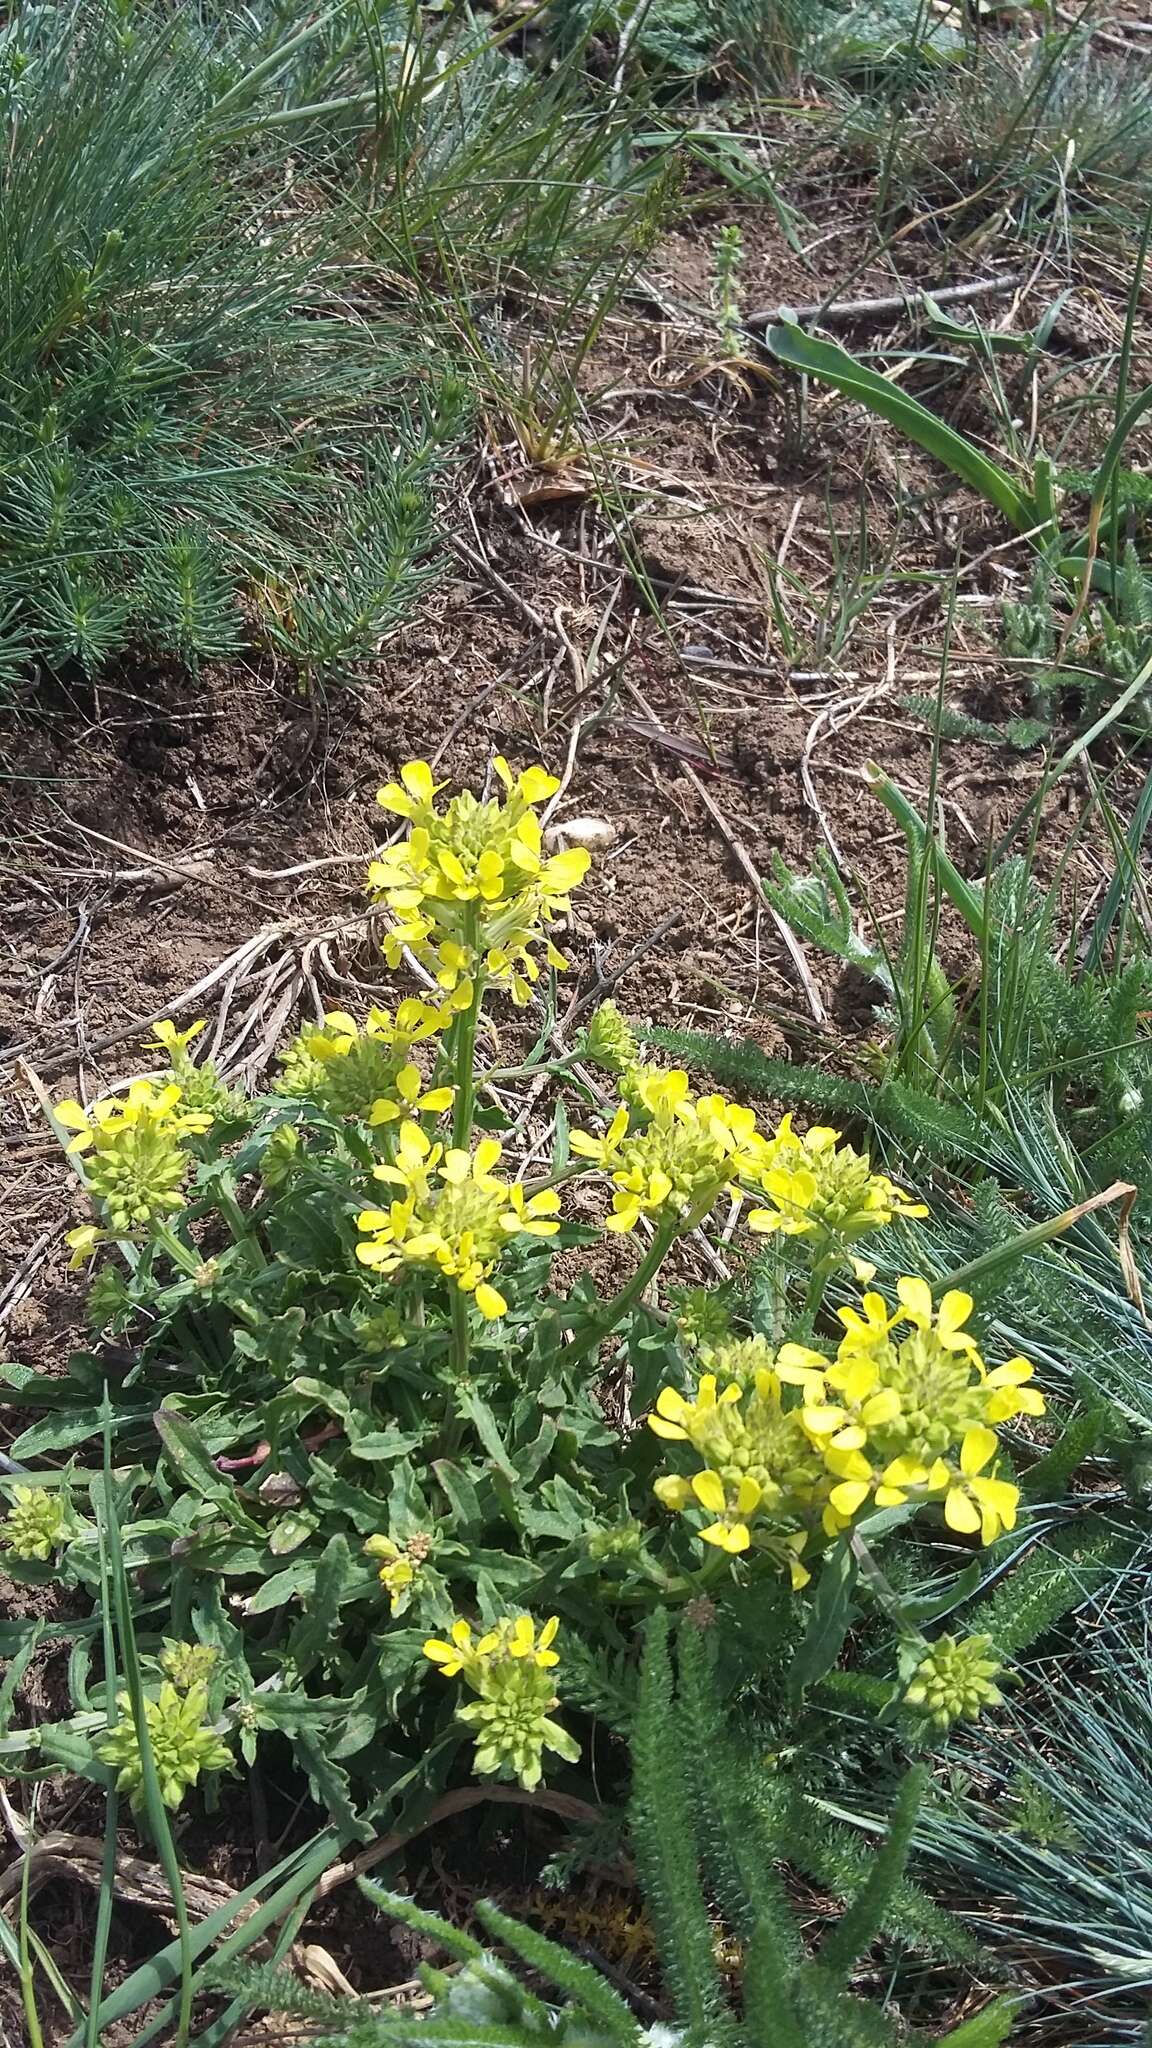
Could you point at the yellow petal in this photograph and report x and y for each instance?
(536, 785)
(417, 779)
(709, 1490)
(71, 1115)
(490, 1302)
(978, 1447)
(849, 1496)
(733, 1540)
(960, 1513)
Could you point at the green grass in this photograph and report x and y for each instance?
(219, 423)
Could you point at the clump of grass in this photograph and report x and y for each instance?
(1049, 124)
(184, 402)
(215, 427)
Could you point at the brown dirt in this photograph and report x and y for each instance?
(152, 823)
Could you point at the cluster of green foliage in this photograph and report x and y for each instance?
(192, 445)
(1023, 1086)
(345, 1431)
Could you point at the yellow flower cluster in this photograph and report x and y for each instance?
(793, 1447)
(907, 1393)
(763, 1477)
(672, 1153)
(135, 1163)
(366, 1071)
(670, 1150)
(470, 887)
(509, 1669)
(454, 1215)
(815, 1184)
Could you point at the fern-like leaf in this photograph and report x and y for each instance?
(864, 1918)
(578, 1981)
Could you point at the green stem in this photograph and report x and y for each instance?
(818, 1280)
(464, 1058)
(1026, 1241)
(883, 1591)
(646, 1272)
(241, 1226)
(181, 1254)
(461, 1336)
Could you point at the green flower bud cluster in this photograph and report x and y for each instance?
(955, 1680)
(511, 1723)
(610, 1041)
(351, 1070)
(509, 1668)
(701, 1318)
(617, 1539)
(280, 1156)
(37, 1523)
(182, 1745)
(187, 1664)
(200, 1085)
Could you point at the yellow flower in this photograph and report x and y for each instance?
(974, 1500)
(454, 1215)
(366, 1071)
(146, 1105)
(456, 1656)
(134, 1162)
(1009, 1394)
(470, 888)
(168, 1039)
(816, 1185)
(762, 1481)
(672, 1153)
(200, 1085)
(907, 1390)
(399, 1570)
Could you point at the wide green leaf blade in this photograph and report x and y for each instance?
(833, 365)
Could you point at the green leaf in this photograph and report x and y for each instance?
(461, 1495)
(828, 1619)
(833, 365)
(934, 1606)
(295, 1579)
(61, 1434)
(376, 1446)
(484, 1423)
(318, 1632)
(187, 1453)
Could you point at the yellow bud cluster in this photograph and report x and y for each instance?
(793, 1448)
(453, 1214)
(470, 887)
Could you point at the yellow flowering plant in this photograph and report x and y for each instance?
(378, 1393)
